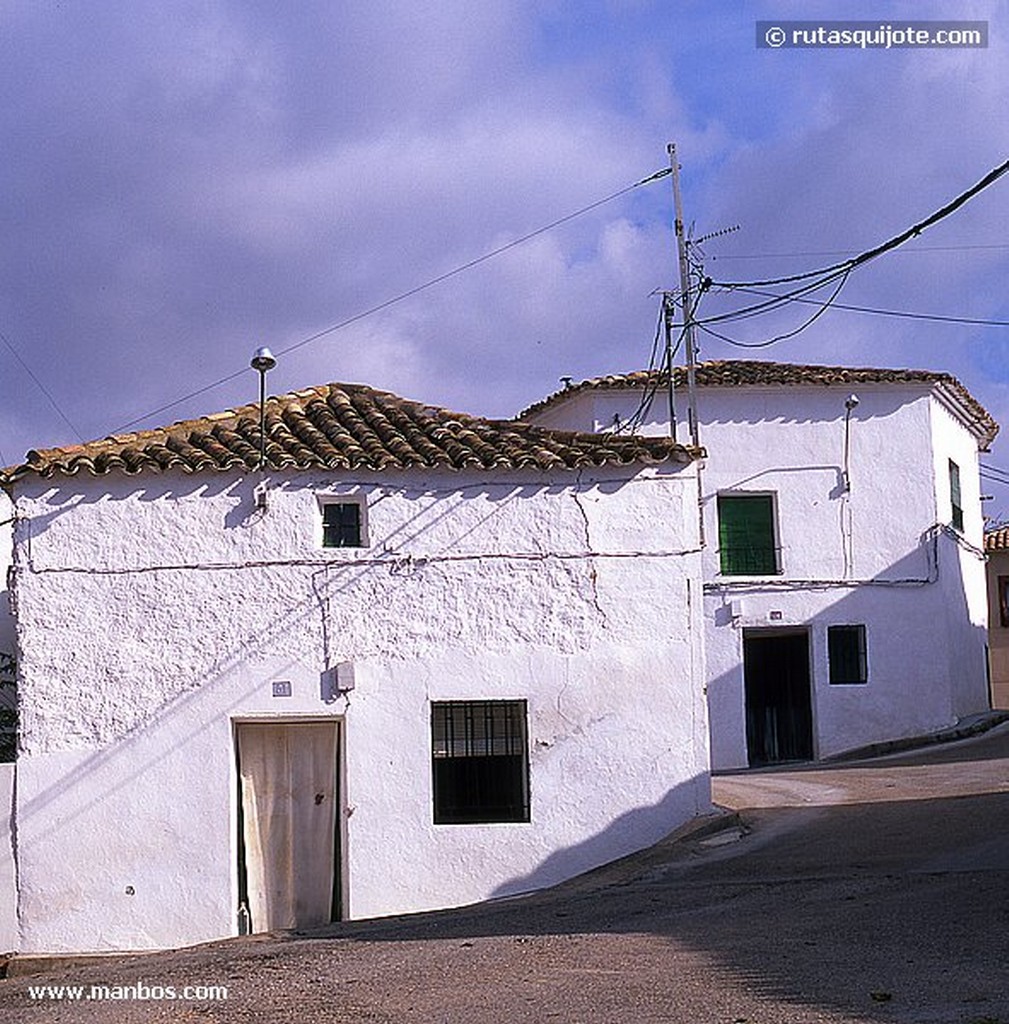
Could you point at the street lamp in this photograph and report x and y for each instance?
(263, 361)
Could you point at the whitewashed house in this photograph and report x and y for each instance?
(996, 544)
(420, 659)
(844, 574)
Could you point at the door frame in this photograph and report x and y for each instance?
(769, 632)
(236, 846)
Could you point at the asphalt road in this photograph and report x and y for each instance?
(872, 892)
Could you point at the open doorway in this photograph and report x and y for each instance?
(779, 712)
(288, 824)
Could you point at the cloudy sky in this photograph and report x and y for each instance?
(183, 181)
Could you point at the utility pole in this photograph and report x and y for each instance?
(686, 302)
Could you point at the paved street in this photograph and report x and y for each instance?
(869, 892)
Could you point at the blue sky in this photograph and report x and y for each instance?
(185, 181)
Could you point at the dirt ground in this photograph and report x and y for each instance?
(876, 891)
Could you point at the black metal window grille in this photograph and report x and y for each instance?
(846, 654)
(746, 545)
(341, 525)
(8, 709)
(480, 761)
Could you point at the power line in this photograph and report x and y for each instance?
(813, 280)
(824, 306)
(38, 383)
(891, 243)
(775, 300)
(409, 293)
(905, 314)
(851, 252)
(994, 473)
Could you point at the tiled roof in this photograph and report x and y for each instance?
(753, 372)
(346, 427)
(997, 539)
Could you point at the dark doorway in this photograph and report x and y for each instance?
(779, 714)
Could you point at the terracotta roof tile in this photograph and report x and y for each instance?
(997, 539)
(346, 427)
(754, 372)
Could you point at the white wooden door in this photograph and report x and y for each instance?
(288, 779)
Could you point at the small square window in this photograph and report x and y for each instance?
(746, 539)
(342, 525)
(846, 654)
(480, 761)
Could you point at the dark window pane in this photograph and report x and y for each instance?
(746, 535)
(846, 654)
(954, 496)
(479, 761)
(341, 525)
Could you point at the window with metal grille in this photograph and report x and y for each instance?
(746, 544)
(480, 761)
(956, 504)
(846, 654)
(8, 709)
(341, 525)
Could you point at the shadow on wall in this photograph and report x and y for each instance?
(635, 830)
(328, 582)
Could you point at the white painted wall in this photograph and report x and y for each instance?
(155, 612)
(870, 555)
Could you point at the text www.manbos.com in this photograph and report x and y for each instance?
(139, 992)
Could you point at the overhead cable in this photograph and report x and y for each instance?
(891, 243)
(779, 337)
(409, 293)
(900, 313)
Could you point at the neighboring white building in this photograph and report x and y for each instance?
(422, 659)
(996, 544)
(844, 573)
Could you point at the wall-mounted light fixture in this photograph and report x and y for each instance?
(849, 404)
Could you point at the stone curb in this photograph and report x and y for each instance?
(17, 965)
(973, 726)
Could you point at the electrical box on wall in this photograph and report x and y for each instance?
(345, 676)
(338, 679)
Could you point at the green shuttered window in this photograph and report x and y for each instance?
(746, 535)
